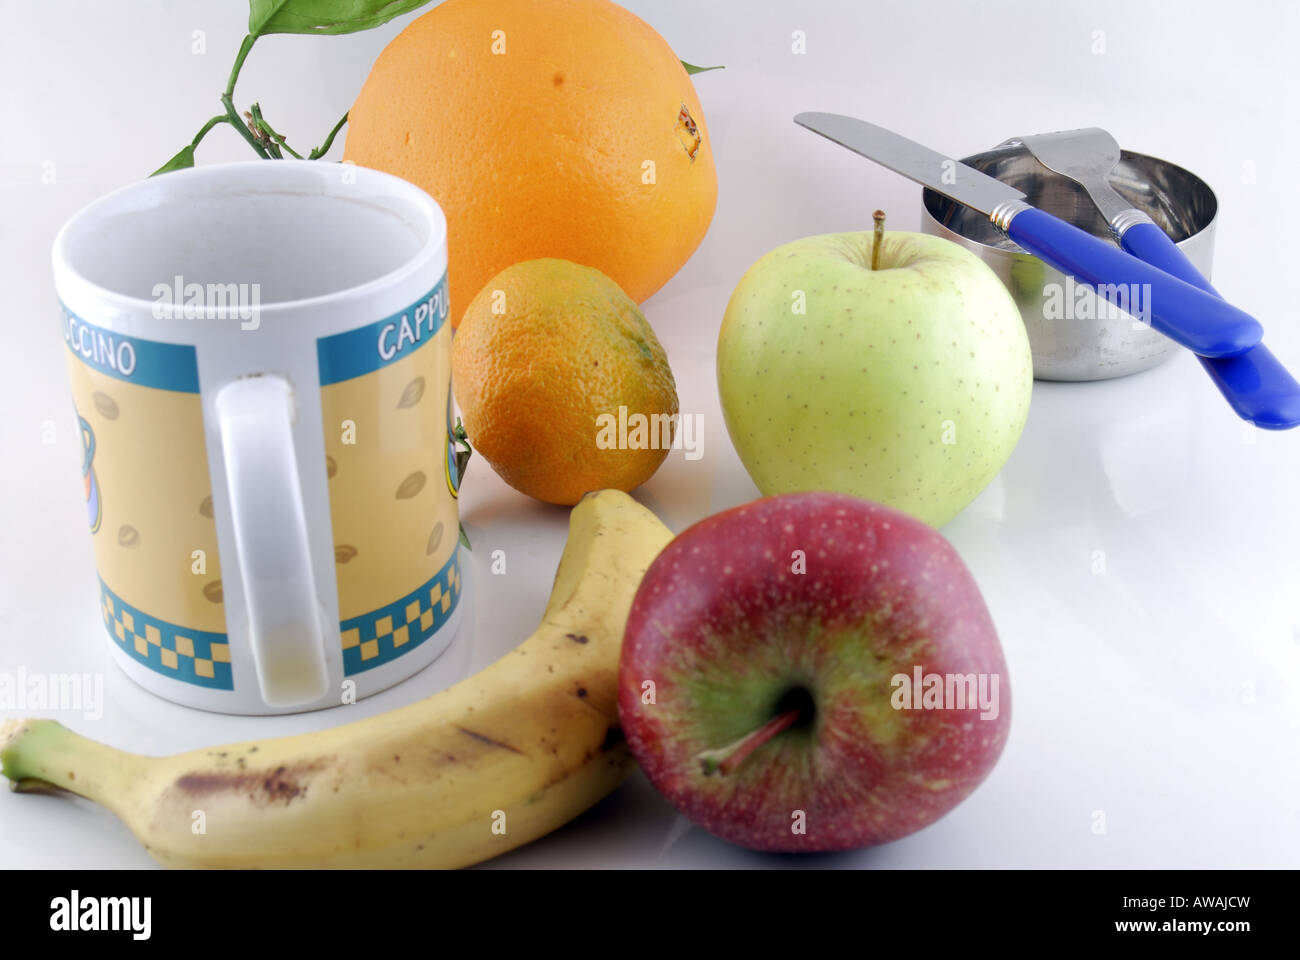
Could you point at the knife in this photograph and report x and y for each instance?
(1187, 315)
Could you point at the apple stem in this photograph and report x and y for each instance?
(879, 217)
(726, 759)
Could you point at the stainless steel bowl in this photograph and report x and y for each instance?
(1089, 339)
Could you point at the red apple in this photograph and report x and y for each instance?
(797, 674)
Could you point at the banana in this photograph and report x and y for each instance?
(494, 762)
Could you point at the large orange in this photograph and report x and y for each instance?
(544, 128)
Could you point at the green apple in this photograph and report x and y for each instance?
(907, 383)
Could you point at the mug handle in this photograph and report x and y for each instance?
(285, 616)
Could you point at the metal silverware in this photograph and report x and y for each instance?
(1203, 323)
(1255, 383)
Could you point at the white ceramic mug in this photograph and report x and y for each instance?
(260, 356)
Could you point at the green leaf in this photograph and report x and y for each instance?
(462, 455)
(324, 16)
(692, 69)
(179, 162)
(464, 537)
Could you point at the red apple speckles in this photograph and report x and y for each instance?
(812, 672)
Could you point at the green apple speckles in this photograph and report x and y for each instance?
(908, 385)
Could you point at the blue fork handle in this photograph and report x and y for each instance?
(1205, 324)
(1254, 383)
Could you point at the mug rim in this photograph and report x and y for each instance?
(419, 201)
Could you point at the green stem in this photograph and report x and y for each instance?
(258, 133)
(228, 99)
(203, 131)
(324, 148)
(240, 57)
(39, 754)
(727, 759)
(278, 138)
(877, 236)
(242, 127)
(259, 127)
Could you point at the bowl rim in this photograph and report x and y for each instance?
(927, 194)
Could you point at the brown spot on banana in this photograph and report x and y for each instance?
(488, 740)
(263, 788)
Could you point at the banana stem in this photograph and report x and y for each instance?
(39, 754)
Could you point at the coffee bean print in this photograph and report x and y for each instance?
(411, 486)
(205, 507)
(331, 467)
(213, 591)
(435, 538)
(343, 552)
(127, 536)
(412, 394)
(106, 405)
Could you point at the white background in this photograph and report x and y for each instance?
(1160, 694)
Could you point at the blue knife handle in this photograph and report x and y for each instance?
(1254, 383)
(1204, 324)
(1148, 242)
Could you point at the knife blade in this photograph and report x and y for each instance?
(1205, 324)
(943, 175)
